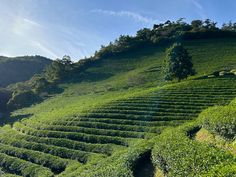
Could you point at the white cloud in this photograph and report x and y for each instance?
(135, 16)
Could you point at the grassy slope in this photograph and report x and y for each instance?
(126, 76)
(211, 54)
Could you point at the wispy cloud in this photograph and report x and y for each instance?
(44, 49)
(199, 8)
(197, 4)
(31, 22)
(133, 15)
(24, 36)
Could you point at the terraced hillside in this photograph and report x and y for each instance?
(69, 145)
(105, 124)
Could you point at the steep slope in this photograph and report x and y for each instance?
(19, 69)
(104, 124)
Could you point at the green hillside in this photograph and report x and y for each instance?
(120, 114)
(116, 115)
(19, 69)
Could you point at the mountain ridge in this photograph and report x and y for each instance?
(21, 68)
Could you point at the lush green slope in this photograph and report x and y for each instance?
(104, 124)
(20, 69)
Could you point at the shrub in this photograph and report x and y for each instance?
(22, 167)
(177, 155)
(222, 171)
(22, 98)
(220, 120)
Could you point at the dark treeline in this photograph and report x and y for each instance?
(165, 33)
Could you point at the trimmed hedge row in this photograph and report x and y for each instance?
(93, 131)
(163, 102)
(157, 111)
(155, 107)
(228, 170)
(98, 125)
(183, 96)
(177, 155)
(127, 122)
(161, 116)
(220, 120)
(53, 150)
(56, 164)
(69, 135)
(22, 167)
(121, 164)
(60, 142)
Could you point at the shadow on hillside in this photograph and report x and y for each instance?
(55, 90)
(209, 78)
(7, 119)
(144, 166)
(90, 77)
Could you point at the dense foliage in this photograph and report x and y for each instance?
(165, 33)
(220, 120)
(24, 94)
(178, 64)
(177, 155)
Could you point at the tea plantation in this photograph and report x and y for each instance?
(105, 126)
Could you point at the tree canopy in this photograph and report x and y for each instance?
(178, 64)
(166, 32)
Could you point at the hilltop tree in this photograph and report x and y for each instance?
(60, 69)
(210, 25)
(197, 25)
(178, 64)
(229, 26)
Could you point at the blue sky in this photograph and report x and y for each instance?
(53, 28)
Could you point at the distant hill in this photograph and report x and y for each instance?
(18, 69)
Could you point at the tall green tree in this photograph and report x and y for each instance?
(60, 69)
(178, 64)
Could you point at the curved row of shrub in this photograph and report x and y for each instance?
(127, 122)
(108, 126)
(61, 142)
(22, 167)
(157, 111)
(154, 107)
(81, 156)
(161, 116)
(177, 155)
(70, 135)
(220, 120)
(56, 164)
(66, 128)
(121, 164)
